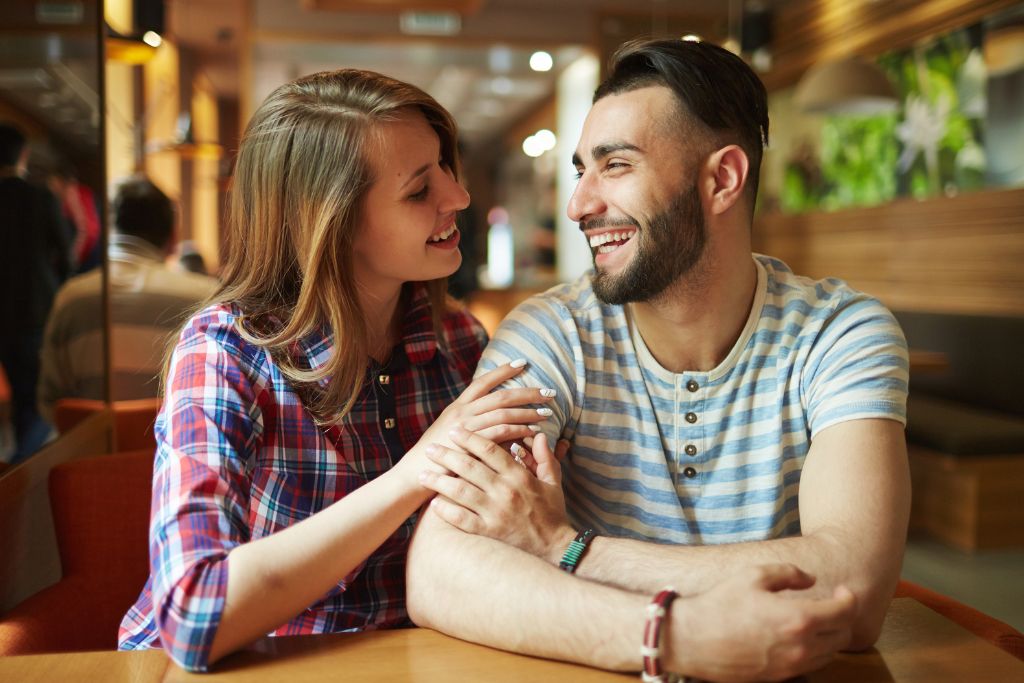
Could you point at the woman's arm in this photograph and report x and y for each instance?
(215, 589)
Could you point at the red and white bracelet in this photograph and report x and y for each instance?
(657, 610)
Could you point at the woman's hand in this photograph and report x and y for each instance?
(746, 629)
(496, 415)
(492, 493)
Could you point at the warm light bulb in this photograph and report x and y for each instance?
(541, 61)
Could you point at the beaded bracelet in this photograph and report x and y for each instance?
(575, 551)
(651, 648)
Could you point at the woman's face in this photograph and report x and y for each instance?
(408, 229)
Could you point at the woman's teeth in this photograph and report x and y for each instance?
(441, 236)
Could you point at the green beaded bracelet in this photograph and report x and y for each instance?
(575, 551)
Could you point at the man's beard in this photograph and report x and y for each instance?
(668, 247)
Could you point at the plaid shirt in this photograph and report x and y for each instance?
(239, 458)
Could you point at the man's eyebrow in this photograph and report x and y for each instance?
(601, 151)
(419, 171)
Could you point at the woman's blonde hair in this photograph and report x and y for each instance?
(302, 172)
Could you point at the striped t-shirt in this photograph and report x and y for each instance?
(704, 457)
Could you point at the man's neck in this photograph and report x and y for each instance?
(697, 321)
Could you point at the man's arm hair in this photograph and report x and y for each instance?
(854, 510)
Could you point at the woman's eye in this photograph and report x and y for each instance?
(421, 195)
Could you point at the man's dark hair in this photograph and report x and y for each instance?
(12, 144)
(710, 83)
(140, 209)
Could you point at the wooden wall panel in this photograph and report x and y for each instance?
(808, 31)
(960, 254)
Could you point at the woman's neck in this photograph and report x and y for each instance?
(383, 323)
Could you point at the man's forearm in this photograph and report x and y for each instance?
(500, 596)
(646, 567)
(480, 590)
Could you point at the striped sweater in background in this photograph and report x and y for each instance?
(704, 457)
(149, 302)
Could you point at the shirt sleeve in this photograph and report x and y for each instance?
(207, 436)
(543, 332)
(858, 367)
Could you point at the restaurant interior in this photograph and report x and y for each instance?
(896, 163)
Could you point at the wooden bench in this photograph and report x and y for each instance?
(965, 430)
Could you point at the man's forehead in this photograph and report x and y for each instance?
(626, 120)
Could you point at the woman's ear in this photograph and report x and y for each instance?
(727, 177)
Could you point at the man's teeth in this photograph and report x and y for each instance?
(441, 236)
(598, 241)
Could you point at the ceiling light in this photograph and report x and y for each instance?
(691, 38)
(845, 86)
(532, 147)
(152, 38)
(541, 61)
(546, 138)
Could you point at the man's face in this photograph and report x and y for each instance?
(637, 199)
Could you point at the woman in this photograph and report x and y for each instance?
(299, 404)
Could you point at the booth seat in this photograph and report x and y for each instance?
(100, 509)
(965, 430)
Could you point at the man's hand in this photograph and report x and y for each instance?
(493, 494)
(742, 629)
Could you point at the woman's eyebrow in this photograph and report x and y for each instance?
(420, 171)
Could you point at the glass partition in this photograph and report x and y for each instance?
(51, 92)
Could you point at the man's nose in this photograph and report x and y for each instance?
(585, 201)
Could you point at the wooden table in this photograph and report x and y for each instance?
(917, 644)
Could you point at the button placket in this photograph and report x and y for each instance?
(692, 431)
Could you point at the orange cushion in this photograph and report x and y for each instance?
(72, 615)
(1000, 634)
(101, 511)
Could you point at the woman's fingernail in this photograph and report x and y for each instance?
(518, 362)
(547, 392)
(517, 449)
(546, 412)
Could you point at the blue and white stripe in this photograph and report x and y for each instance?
(812, 354)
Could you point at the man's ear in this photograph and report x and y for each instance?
(726, 170)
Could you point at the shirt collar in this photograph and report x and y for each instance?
(129, 248)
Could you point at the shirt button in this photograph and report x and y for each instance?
(389, 423)
(384, 379)
(689, 473)
(691, 417)
(692, 385)
(690, 449)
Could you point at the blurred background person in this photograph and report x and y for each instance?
(34, 260)
(148, 301)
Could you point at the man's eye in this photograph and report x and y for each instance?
(578, 174)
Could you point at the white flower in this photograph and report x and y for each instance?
(923, 126)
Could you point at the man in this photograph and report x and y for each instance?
(723, 413)
(148, 302)
(35, 257)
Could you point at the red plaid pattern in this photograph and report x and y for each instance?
(239, 458)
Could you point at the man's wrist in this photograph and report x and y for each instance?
(561, 540)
